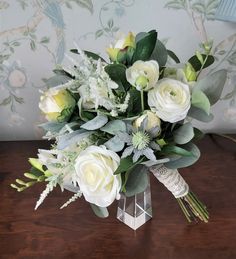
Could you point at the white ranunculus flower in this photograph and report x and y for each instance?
(170, 100)
(143, 74)
(95, 167)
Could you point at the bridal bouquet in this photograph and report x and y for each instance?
(115, 122)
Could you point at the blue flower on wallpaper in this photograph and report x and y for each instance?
(120, 11)
(52, 10)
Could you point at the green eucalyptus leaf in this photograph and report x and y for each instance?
(125, 164)
(54, 127)
(99, 211)
(200, 115)
(112, 127)
(115, 144)
(71, 138)
(117, 73)
(195, 62)
(212, 85)
(63, 73)
(183, 134)
(180, 162)
(200, 100)
(137, 180)
(134, 106)
(145, 47)
(57, 80)
(96, 123)
(175, 150)
(89, 54)
(160, 53)
(172, 55)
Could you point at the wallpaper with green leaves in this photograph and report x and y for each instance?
(36, 35)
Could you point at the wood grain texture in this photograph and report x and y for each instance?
(75, 232)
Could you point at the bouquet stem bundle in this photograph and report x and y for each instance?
(193, 208)
(189, 203)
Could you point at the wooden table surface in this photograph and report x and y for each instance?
(75, 232)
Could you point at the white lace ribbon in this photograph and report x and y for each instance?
(172, 180)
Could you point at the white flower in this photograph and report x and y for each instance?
(143, 74)
(170, 100)
(54, 102)
(153, 121)
(95, 167)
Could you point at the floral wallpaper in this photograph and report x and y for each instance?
(36, 35)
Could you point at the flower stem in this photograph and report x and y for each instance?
(142, 100)
(193, 208)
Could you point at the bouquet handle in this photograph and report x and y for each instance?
(191, 206)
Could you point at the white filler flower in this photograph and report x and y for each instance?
(170, 100)
(95, 167)
(143, 74)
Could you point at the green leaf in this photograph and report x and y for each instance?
(134, 106)
(44, 40)
(183, 134)
(115, 144)
(32, 45)
(63, 73)
(89, 54)
(137, 180)
(145, 47)
(99, 211)
(160, 53)
(172, 55)
(185, 161)
(53, 127)
(71, 138)
(200, 115)
(196, 63)
(98, 33)
(112, 127)
(110, 23)
(125, 164)
(87, 4)
(96, 123)
(56, 80)
(200, 100)
(212, 85)
(117, 73)
(6, 101)
(175, 150)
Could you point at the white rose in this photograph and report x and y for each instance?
(143, 74)
(54, 102)
(95, 167)
(170, 100)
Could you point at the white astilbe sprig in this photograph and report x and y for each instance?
(53, 181)
(93, 84)
(72, 199)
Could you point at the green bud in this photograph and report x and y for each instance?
(161, 142)
(141, 81)
(190, 72)
(199, 56)
(21, 189)
(20, 182)
(30, 184)
(14, 186)
(41, 178)
(31, 176)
